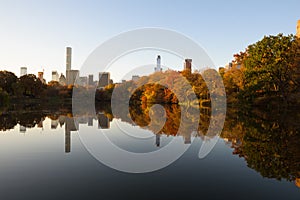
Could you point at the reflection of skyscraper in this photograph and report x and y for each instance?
(54, 124)
(104, 78)
(187, 139)
(157, 139)
(22, 129)
(69, 126)
(90, 121)
(103, 121)
(23, 71)
(158, 64)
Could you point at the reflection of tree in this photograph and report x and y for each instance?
(268, 142)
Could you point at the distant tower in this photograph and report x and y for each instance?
(104, 78)
(91, 80)
(158, 64)
(23, 71)
(188, 65)
(68, 58)
(298, 29)
(55, 76)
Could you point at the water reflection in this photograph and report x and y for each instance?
(267, 141)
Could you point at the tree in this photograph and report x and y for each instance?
(31, 85)
(270, 66)
(7, 80)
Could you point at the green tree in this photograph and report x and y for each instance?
(270, 66)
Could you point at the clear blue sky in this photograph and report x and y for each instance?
(35, 33)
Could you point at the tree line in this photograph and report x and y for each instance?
(267, 71)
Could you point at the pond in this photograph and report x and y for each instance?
(53, 154)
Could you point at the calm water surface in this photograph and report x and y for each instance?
(42, 157)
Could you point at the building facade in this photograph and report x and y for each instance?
(158, 64)
(188, 65)
(55, 76)
(23, 71)
(71, 76)
(104, 79)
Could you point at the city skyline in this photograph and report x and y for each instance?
(38, 40)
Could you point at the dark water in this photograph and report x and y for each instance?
(43, 156)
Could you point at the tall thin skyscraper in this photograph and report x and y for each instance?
(158, 64)
(68, 58)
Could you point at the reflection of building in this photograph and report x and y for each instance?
(23, 71)
(22, 129)
(104, 79)
(103, 121)
(69, 126)
(40, 124)
(188, 65)
(54, 124)
(187, 139)
(135, 77)
(157, 139)
(298, 29)
(90, 121)
(158, 64)
(55, 76)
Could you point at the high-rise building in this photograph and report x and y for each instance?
(71, 76)
(91, 80)
(188, 65)
(104, 79)
(83, 81)
(62, 80)
(55, 76)
(158, 64)
(135, 77)
(68, 58)
(298, 29)
(23, 71)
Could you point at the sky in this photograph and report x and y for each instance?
(35, 34)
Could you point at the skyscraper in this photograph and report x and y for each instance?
(104, 79)
(188, 65)
(23, 71)
(158, 64)
(55, 76)
(68, 58)
(71, 76)
(91, 80)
